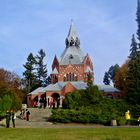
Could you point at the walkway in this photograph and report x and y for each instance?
(39, 119)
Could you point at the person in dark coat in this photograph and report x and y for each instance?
(27, 115)
(53, 104)
(8, 115)
(45, 103)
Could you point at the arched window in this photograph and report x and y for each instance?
(67, 77)
(73, 77)
(70, 77)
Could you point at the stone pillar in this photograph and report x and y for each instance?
(48, 100)
(61, 100)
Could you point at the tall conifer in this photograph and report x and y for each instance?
(133, 49)
(133, 73)
(106, 80)
(41, 70)
(138, 21)
(29, 73)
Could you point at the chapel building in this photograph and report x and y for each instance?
(69, 73)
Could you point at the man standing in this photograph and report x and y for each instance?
(27, 114)
(8, 115)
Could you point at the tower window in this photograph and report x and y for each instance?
(70, 77)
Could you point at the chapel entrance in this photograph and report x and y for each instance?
(56, 100)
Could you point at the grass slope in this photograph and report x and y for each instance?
(70, 134)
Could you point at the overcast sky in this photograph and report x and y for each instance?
(104, 27)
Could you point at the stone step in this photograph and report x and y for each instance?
(37, 117)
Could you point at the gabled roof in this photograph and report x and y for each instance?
(107, 88)
(75, 52)
(54, 71)
(77, 84)
(36, 91)
(88, 69)
(55, 87)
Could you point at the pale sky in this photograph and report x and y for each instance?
(104, 27)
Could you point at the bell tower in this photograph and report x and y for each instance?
(73, 65)
(72, 39)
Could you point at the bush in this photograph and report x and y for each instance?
(87, 106)
(132, 121)
(83, 115)
(121, 121)
(5, 104)
(8, 102)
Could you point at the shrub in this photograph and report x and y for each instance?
(83, 115)
(5, 104)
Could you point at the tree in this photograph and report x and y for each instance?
(120, 77)
(112, 72)
(133, 79)
(41, 68)
(11, 94)
(133, 73)
(92, 95)
(10, 81)
(138, 21)
(48, 80)
(110, 75)
(89, 80)
(133, 49)
(106, 80)
(29, 73)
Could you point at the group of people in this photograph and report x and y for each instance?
(25, 114)
(42, 102)
(54, 103)
(10, 115)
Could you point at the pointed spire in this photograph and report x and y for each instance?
(72, 32)
(72, 39)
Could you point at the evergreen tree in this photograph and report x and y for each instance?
(133, 49)
(138, 21)
(48, 80)
(133, 80)
(89, 80)
(41, 68)
(112, 72)
(133, 73)
(106, 80)
(29, 73)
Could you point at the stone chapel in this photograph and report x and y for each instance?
(69, 72)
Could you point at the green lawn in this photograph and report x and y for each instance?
(70, 134)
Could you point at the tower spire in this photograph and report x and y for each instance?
(72, 39)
